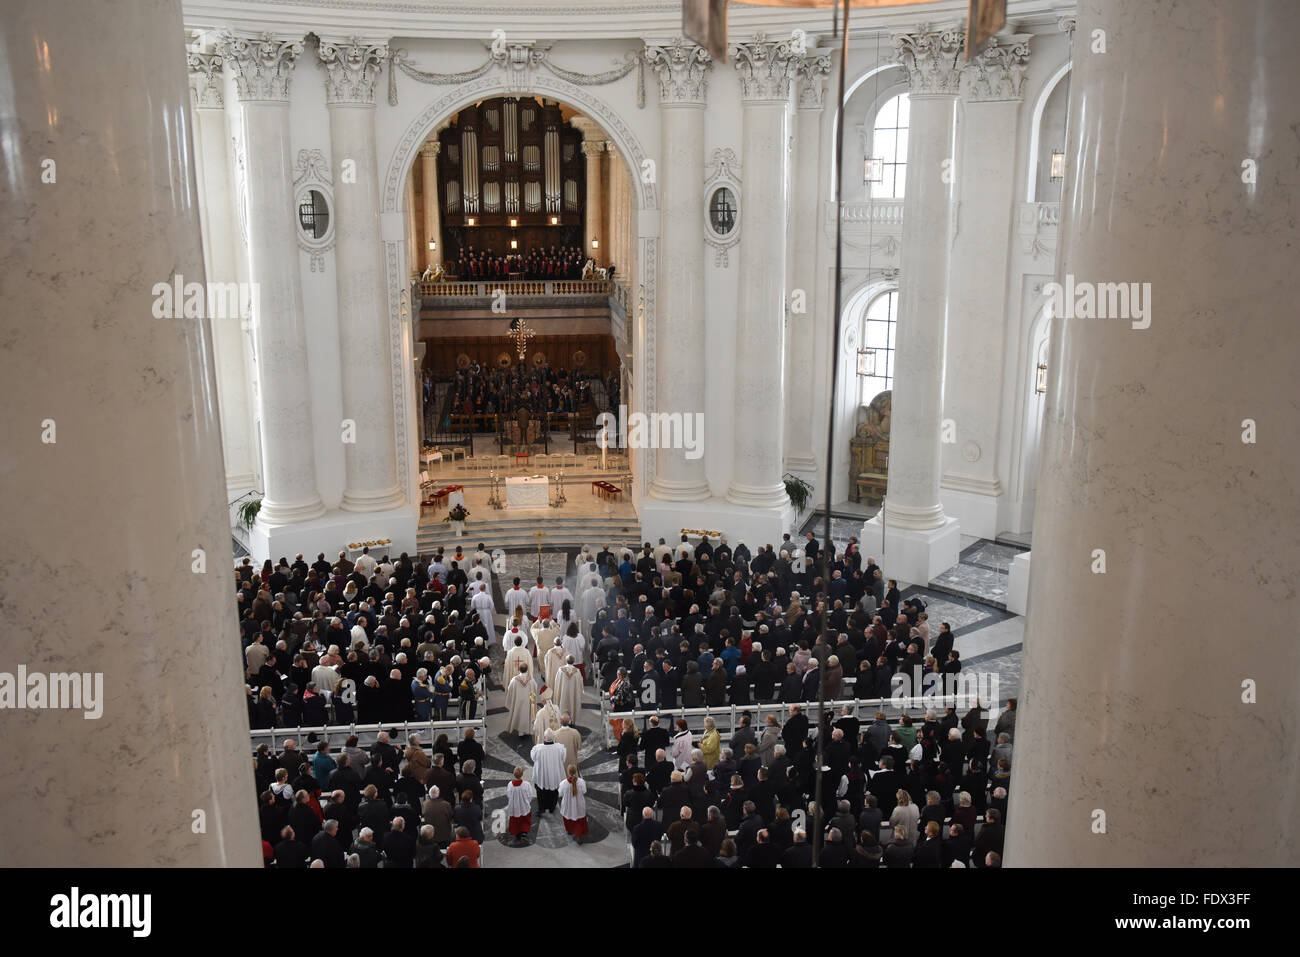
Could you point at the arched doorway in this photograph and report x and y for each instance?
(638, 343)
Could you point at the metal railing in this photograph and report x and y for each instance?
(729, 715)
(367, 734)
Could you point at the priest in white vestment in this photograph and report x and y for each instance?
(517, 655)
(573, 804)
(544, 633)
(575, 647)
(559, 595)
(570, 737)
(567, 690)
(482, 603)
(590, 604)
(538, 596)
(516, 598)
(548, 716)
(519, 807)
(548, 772)
(552, 662)
(519, 703)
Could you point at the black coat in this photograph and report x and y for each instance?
(740, 690)
(291, 854)
(929, 853)
(327, 849)
(795, 733)
(399, 849)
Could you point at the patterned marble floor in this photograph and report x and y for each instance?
(981, 572)
(549, 844)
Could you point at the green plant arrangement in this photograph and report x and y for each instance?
(458, 513)
(798, 490)
(248, 513)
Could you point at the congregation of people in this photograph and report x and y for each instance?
(684, 626)
(476, 391)
(392, 805)
(366, 640)
(704, 625)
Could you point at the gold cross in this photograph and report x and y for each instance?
(521, 335)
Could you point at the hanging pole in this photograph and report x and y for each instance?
(819, 816)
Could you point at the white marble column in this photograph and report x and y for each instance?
(804, 385)
(682, 68)
(370, 483)
(432, 211)
(263, 66)
(1149, 734)
(977, 284)
(765, 69)
(920, 540)
(104, 376)
(217, 205)
(592, 150)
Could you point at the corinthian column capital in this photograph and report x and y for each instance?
(262, 65)
(810, 68)
(932, 59)
(205, 80)
(765, 67)
(352, 68)
(683, 71)
(998, 73)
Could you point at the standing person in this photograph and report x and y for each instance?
(519, 807)
(548, 771)
(568, 687)
(710, 744)
(575, 647)
(519, 702)
(482, 603)
(516, 602)
(573, 804)
(538, 596)
(442, 692)
(681, 746)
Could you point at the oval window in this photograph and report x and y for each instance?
(722, 210)
(314, 215)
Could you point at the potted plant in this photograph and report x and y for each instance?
(248, 513)
(457, 517)
(798, 490)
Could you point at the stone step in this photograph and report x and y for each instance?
(521, 533)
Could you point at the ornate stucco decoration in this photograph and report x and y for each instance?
(932, 58)
(683, 71)
(262, 66)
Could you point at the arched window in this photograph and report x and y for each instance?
(889, 146)
(875, 359)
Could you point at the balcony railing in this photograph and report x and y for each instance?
(880, 212)
(514, 288)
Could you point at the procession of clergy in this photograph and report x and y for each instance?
(545, 668)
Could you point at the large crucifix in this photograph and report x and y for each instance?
(538, 534)
(520, 332)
